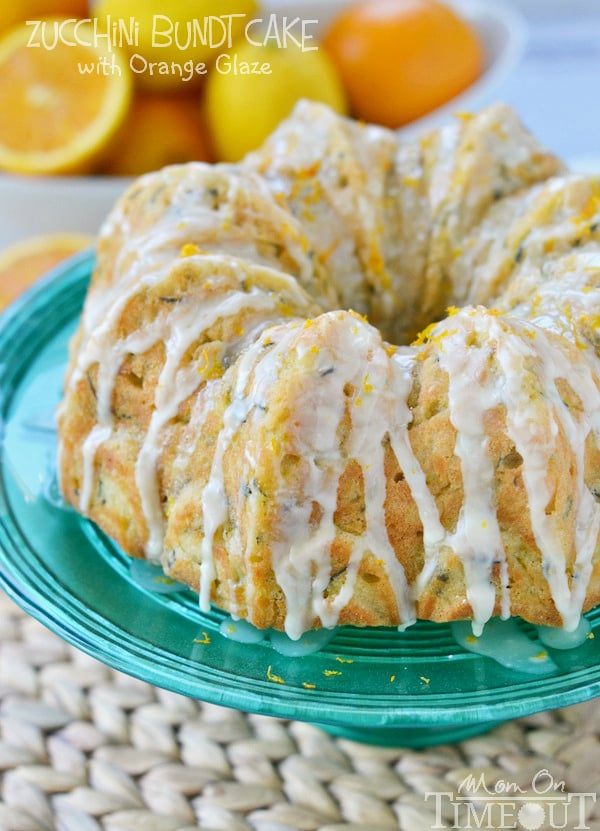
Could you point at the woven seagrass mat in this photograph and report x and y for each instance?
(85, 748)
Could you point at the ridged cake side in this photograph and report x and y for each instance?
(223, 416)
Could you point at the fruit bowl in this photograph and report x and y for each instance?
(501, 29)
(32, 206)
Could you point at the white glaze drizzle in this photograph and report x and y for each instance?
(434, 533)
(514, 343)
(477, 538)
(301, 554)
(178, 329)
(109, 360)
(481, 378)
(521, 426)
(174, 386)
(473, 391)
(371, 423)
(243, 401)
(189, 219)
(301, 558)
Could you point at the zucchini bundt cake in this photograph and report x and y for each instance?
(234, 411)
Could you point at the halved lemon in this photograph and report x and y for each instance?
(22, 263)
(63, 95)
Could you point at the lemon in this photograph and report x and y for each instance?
(252, 88)
(60, 106)
(166, 36)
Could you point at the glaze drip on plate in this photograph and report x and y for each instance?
(234, 412)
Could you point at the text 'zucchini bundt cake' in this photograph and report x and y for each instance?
(234, 411)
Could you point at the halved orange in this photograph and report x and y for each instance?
(22, 263)
(60, 106)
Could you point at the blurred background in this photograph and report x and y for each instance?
(555, 86)
(71, 140)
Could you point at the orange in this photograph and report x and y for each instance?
(22, 263)
(160, 130)
(400, 59)
(57, 118)
(243, 107)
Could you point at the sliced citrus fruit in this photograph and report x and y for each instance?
(63, 95)
(22, 263)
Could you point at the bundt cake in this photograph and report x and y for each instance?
(233, 408)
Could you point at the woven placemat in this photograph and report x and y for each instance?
(85, 748)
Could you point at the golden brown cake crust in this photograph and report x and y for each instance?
(278, 455)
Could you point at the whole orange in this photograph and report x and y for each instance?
(161, 129)
(400, 59)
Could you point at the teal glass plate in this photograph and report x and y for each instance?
(413, 688)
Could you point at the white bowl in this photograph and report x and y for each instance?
(56, 204)
(31, 206)
(501, 29)
(503, 32)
